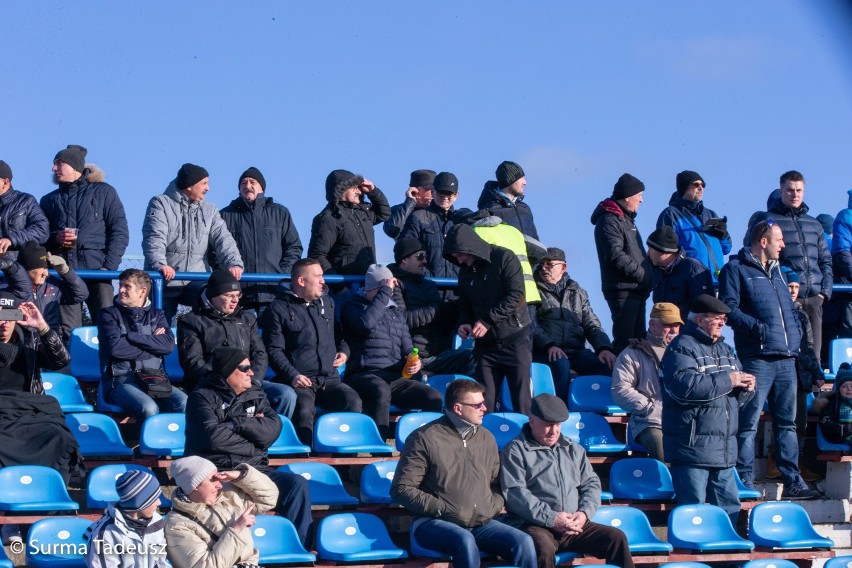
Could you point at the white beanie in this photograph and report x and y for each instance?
(191, 471)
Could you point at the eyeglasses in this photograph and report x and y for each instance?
(445, 193)
(244, 368)
(717, 319)
(420, 256)
(551, 265)
(477, 405)
(697, 184)
(234, 296)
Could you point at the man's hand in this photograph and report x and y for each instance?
(464, 330)
(415, 367)
(479, 330)
(58, 263)
(339, 359)
(236, 272)
(4, 245)
(562, 522)
(67, 237)
(412, 193)
(367, 186)
(743, 380)
(226, 476)
(554, 353)
(32, 317)
(245, 520)
(576, 522)
(168, 272)
(160, 331)
(389, 282)
(301, 381)
(607, 358)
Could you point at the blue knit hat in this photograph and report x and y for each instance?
(137, 490)
(791, 275)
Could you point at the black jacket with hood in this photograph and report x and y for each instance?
(620, 251)
(517, 213)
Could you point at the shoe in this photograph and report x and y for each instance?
(11, 533)
(808, 475)
(798, 492)
(771, 469)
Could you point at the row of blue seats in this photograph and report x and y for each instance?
(363, 538)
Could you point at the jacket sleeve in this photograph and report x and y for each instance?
(416, 316)
(187, 549)
(701, 282)
(730, 293)
(117, 233)
(589, 485)
(259, 488)
(825, 267)
(379, 206)
(191, 351)
(272, 323)
(257, 353)
(394, 226)
(113, 342)
(608, 232)
(291, 244)
(35, 227)
(339, 338)
(260, 431)
(512, 280)
(625, 378)
(53, 355)
(414, 463)
(323, 237)
(18, 282)
(686, 383)
(214, 434)
(155, 234)
(159, 345)
(520, 500)
(360, 321)
(592, 328)
(221, 241)
(72, 289)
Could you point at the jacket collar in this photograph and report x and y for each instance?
(533, 444)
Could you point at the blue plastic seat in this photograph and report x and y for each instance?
(642, 479)
(563, 557)
(769, 563)
(277, 542)
(348, 433)
(593, 432)
(58, 543)
(459, 343)
(104, 406)
(163, 435)
(376, 479)
(607, 496)
(356, 537)
(744, 493)
(839, 352)
(541, 382)
(592, 393)
(324, 483)
(785, 525)
(826, 446)
(410, 422)
(632, 444)
(172, 362)
(33, 488)
(704, 528)
(83, 347)
(504, 425)
(684, 565)
(100, 484)
(838, 562)
(287, 441)
(440, 382)
(67, 391)
(97, 434)
(634, 524)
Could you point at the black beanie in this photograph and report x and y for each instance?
(686, 178)
(338, 181)
(190, 174)
(663, 239)
(508, 173)
(226, 359)
(253, 173)
(74, 156)
(32, 255)
(421, 178)
(5, 170)
(221, 282)
(627, 186)
(406, 247)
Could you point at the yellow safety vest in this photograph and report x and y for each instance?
(508, 237)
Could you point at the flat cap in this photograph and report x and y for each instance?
(707, 304)
(549, 408)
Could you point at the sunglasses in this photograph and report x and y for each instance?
(445, 193)
(420, 256)
(244, 368)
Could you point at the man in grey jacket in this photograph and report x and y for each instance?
(178, 231)
(636, 381)
(551, 490)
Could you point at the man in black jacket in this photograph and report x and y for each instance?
(494, 312)
(504, 198)
(675, 277)
(417, 196)
(306, 348)
(229, 421)
(265, 234)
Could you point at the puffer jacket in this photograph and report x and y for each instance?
(268, 241)
(620, 251)
(517, 214)
(636, 385)
(126, 340)
(565, 318)
(111, 534)
(841, 244)
(398, 217)
(179, 234)
(302, 338)
(94, 208)
(805, 249)
(21, 219)
(762, 314)
(430, 226)
(807, 364)
(827, 406)
(490, 291)
(430, 319)
(205, 329)
(376, 333)
(190, 544)
(441, 475)
(687, 218)
(40, 352)
(700, 406)
(681, 282)
(227, 428)
(342, 236)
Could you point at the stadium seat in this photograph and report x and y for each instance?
(504, 425)
(838, 562)
(97, 434)
(632, 444)
(592, 393)
(104, 406)
(356, 537)
(839, 352)
(67, 391)
(163, 435)
(376, 479)
(33, 488)
(348, 433)
(563, 557)
(744, 493)
(784, 525)
(633, 523)
(541, 382)
(606, 496)
(642, 479)
(410, 422)
(704, 528)
(100, 484)
(459, 343)
(287, 442)
(592, 432)
(769, 563)
(324, 483)
(4, 560)
(826, 446)
(684, 565)
(277, 542)
(58, 543)
(83, 347)
(172, 363)
(440, 382)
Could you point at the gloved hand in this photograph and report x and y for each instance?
(716, 228)
(58, 263)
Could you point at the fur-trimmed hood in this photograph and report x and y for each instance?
(94, 174)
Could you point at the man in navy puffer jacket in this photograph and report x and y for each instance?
(21, 219)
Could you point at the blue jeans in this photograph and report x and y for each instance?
(776, 382)
(282, 398)
(138, 404)
(464, 544)
(713, 485)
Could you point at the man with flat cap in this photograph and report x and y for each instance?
(179, 230)
(704, 388)
(417, 196)
(552, 492)
(675, 277)
(266, 236)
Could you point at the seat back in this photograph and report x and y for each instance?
(633, 523)
(440, 382)
(85, 365)
(783, 524)
(592, 393)
(590, 430)
(324, 483)
(65, 389)
(355, 537)
(348, 432)
(769, 563)
(504, 425)
(410, 422)
(33, 488)
(376, 480)
(642, 479)
(698, 527)
(459, 343)
(277, 541)
(541, 382)
(684, 565)
(58, 542)
(287, 442)
(163, 435)
(97, 434)
(838, 562)
(839, 352)
(100, 484)
(172, 362)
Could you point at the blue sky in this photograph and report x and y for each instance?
(576, 92)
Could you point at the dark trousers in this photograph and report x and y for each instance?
(511, 360)
(628, 320)
(101, 294)
(813, 307)
(333, 396)
(294, 501)
(451, 362)
(379, 389)
(596, 540)
(582, 362)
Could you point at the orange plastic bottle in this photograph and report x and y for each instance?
(412, 358)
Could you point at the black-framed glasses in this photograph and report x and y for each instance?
(473, 404)
(551, 265)
(445, 193)
(420, 256)
(244, 368)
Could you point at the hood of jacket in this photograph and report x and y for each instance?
(610, 206)
(491, 192)
(175, 194)
(134, 313)
(333, 191)
(91, 174)
(697, 207)
(462, 239)
(747, 258)
(774, 205)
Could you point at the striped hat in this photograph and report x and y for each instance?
(137, 490)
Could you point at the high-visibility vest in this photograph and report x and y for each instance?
(508, 237)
